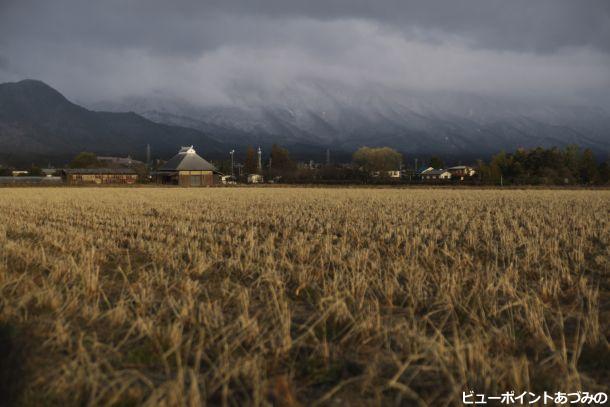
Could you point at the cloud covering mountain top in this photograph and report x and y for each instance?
(249, 52)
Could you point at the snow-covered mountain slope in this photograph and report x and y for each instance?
(329, 115)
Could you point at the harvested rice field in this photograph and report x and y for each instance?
(300, 296)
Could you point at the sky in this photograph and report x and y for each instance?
(220, 52)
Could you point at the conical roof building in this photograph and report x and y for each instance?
(186, 168)
(187, 159)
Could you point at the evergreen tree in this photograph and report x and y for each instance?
(436, 162)
(251, 163)
(35, 171)
(85, 160)
(571, 161)
(588, 167)
(280, 160)
(604, 173)
(377, 159)
(498, 168)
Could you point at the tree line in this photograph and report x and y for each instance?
(537, 166)
(569, 165)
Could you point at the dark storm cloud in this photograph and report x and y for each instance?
(527, 25)
(205, 50)
(4, 63)
(542, 25)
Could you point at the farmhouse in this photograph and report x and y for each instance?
(227, 179)
(433, 175)
(461, 171)
(388, 174)
(99, 176)
(255, 179)
(49, 172)
(186, 169)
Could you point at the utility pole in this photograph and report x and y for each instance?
(148, 155)
(232, 163)
(328, 156)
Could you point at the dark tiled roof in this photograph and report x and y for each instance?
(99, 171)
(187, 160)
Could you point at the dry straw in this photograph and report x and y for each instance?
(301, 296)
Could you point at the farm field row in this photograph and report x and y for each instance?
(165, 296)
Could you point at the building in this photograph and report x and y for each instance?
(228, 180)
(187, 169)
(49, 172)
(19, 173)
(408, 173)
(386, 174)
(99, 176)
(309, 165)
(461, 171)
(393, 174)
(255, 179)
(435, 175)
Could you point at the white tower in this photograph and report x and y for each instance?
(260, 160)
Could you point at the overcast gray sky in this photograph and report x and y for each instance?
(210, 52)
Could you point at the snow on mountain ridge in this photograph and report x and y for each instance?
(331, 115)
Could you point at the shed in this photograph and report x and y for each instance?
(99, 176)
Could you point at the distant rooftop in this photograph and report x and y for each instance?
(424, 169)
(435, 172)
(187, 150)
(187, 159)
(459, 167)
(99, 171)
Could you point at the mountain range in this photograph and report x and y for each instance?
(307, 118)
(313, 113)
(37, 123)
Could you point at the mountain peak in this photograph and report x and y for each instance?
(38, 121)
(31, 82)
(32, 90)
